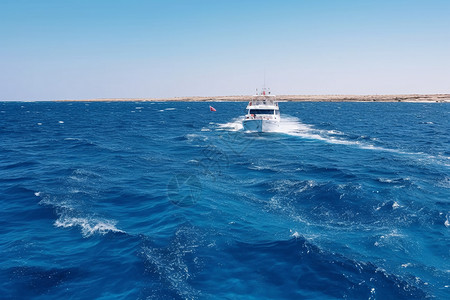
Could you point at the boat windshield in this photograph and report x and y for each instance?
(262, 111)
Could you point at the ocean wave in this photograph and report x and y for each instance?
(301, 213)
(89, 226)
(327, 206)
(73, 204)
(73, 213)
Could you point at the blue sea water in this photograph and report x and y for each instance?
(167, 200)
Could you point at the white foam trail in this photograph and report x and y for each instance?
(234, 125)
(88, 226)
(293, 126)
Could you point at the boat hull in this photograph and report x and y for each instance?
(260, 125)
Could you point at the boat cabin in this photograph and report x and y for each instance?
(263, 112)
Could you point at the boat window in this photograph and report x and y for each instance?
(261, 111)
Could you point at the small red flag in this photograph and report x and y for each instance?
(212, 108)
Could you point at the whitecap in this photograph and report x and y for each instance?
(385, 180)
(88, 226)
(406, 265)
(295, 234)
(61, 122)
(192, 136)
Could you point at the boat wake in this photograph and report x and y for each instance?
(234, 125)
(292, 126)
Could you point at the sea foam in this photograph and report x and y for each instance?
(89, 226)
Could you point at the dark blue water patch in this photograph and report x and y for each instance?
(296, 269)
(13, 208)
(33, 281)
(18, 165)
(325, 202)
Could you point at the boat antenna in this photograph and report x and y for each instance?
(264, 78)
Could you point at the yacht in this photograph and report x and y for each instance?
(263, 113)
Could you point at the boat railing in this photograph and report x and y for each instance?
(263, 102)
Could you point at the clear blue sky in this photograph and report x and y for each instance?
(63, 49)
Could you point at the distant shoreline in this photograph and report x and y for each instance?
(420, 98)
(440, 98)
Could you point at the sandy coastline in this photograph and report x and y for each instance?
(428, 98)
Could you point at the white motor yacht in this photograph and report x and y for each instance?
(263, 113)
